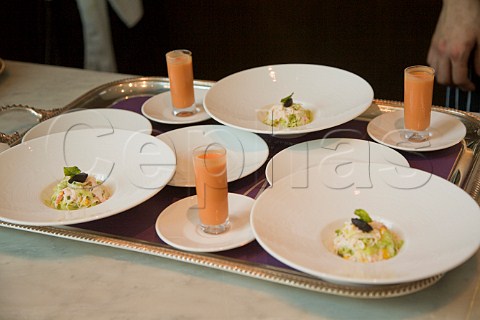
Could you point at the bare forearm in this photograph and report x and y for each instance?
(455, 41)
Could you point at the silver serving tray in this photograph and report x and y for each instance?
(18, 119)
(465, 173)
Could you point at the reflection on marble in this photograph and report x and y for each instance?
(48, 87)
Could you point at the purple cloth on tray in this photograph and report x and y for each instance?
(139, 222)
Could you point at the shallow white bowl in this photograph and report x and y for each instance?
(334, 96)
(133, 166)
(437, 221)
(91, 118)
(246, 151)
(354, 153)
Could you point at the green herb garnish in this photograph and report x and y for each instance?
(287, 101)
(71, 171)
(363, 222)
(363, 215)
(75, 174)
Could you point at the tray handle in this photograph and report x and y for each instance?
(462, 166)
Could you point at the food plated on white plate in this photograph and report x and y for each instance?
(297, 224)
(132, 167)
(332, 96)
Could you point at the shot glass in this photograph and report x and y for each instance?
(180, 74)
(418, 92)
(210, 165)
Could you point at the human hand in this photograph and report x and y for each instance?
(456, 38)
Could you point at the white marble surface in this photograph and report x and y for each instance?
(48, 87)
(44, 277)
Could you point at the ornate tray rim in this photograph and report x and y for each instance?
(465, 173)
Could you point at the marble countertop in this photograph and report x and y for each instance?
(45, 277)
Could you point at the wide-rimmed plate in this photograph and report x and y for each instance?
(310, 154)
(437, 221)
(133, 166)
(246, 152)
(445, 131)
(91, 118)
(159, 109)
(334, 96)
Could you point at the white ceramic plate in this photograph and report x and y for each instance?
(246, 152)
(388, 129)
(178, 226)
(310, 154)
(159, 109)
(91, 118)
(437, 220)
(333, 95)
(133, 166)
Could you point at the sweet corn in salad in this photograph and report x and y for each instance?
(77, 190)
(288, 114)
(365, 240)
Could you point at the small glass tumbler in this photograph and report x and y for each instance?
(210, 165)
(180, 74)
(418, 92)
